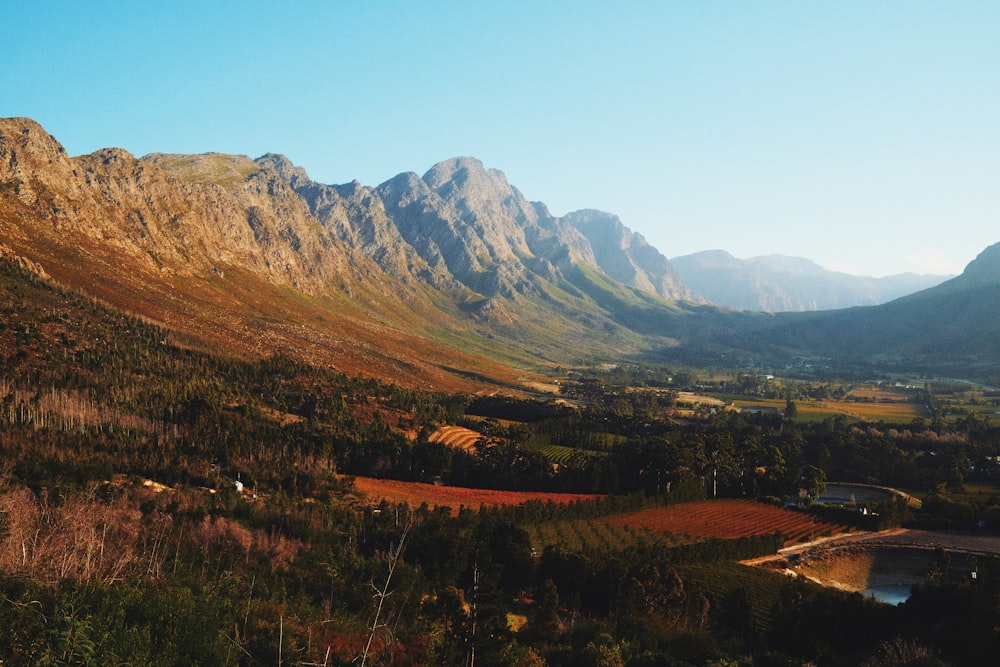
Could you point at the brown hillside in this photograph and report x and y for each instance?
(239, 268)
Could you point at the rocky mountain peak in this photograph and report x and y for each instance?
(459, 172)
(461, 216)
(790, 265)
(28, 155)
(402, 190)
(601, 227)
(779, 283)
(480, 194)
(114, 156)
(709, 259)
(288, 171)
(627, 257)
(23, 138)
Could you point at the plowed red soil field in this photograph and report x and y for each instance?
(416, 493)
(729, 519)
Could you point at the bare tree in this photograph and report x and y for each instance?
(393, 557)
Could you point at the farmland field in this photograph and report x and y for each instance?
(875, 393)
(690, 398)
(728, 519)
(720, 580)
(561, 454)
(456, 436)
(808, 410)
(871, 411)
(416, 493)
(595, 535)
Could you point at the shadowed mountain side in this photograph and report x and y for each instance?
(953, 327)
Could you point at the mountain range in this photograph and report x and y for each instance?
(448, 280)
(778, 283)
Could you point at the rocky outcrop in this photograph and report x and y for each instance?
(627, 257)
(461, 217)
(166, 214)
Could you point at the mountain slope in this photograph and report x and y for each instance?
(777, 283)
(451, 280)
(240, 266)
(433, 279)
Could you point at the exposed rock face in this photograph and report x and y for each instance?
(473, 223)
(627, 257)
(356, 216)
(469, 220)
(460, 225)
(245, 213)
(26, 150)
(433, 228)
(165, 213)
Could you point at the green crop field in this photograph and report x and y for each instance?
(808, 410)
(561, 455)
(593, 535)
(720, 581)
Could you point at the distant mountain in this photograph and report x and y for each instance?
(778, 283)
(952, 328)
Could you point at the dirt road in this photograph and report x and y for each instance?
(973, 543)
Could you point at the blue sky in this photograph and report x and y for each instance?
(862, 135)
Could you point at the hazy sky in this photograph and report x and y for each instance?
(864, 136)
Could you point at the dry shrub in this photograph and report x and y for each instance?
(81, 539)
(218, 537)
(278, 550)
(222, 538)
(901, 652)
(86, 539)
(20, 528)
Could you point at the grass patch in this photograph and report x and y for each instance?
(808, 410)
(224, 170)
(591, 535)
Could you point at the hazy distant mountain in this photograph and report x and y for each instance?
(952, 328)
(778, 283)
